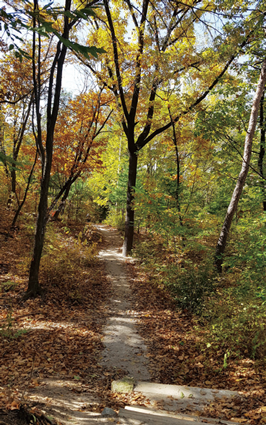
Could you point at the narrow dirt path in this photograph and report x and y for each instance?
(124, 349)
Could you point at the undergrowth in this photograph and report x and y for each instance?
(64, 262)
(229, 309)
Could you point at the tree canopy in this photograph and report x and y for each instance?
(155, 137)
(164, 139)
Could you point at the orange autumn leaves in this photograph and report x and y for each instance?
(78, 140)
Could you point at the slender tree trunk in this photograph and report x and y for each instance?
(62, 204)
(25, 194)
(2, 147)
(220, 248)
(17, 142)
(132, 176)
(177, 191)
(53, 98)
(33, 285)
(13, 192)
(262, 151)
(42, 218)
(64, 191)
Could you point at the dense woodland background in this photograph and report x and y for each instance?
(153, 144)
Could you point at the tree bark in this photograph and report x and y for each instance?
(46, 152)
(33, 284)
(220, 248)
(129, 225)
(25, 194)
(17, 142)
(262, 150)
(177, 191)
(62, 204)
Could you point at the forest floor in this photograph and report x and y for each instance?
(51, 348)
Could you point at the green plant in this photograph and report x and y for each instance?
(115, 219)
(8, 331)
(236, 321)
(8, 286)
(226, 357)
(190, 285)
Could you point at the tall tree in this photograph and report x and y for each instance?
(45, 151)
(56, 24)
(162, 52)
(262, 149)
(220, 248)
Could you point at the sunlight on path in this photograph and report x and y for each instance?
(124, 348)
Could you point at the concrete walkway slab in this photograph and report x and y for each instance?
(181, 391)
(188, 419)
(178, 397)
(124, 347)
(147, 416)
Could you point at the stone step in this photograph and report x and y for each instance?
(178, 397)
(181, 391)
(142, 416)
(181, 396)
(149, 416)
(172, 398)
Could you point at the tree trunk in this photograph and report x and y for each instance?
(53, 98)
(262, 151)
(25, 194)
(129, 230)
(177, 191)
(62, 204)
(13, 193)
(33, 285)
(220, 248)
(2, 148)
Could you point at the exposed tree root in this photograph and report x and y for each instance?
(33, 293)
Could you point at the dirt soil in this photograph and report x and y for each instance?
(59, 354)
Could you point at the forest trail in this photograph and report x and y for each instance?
(98, 345)
(126, 352)
(124, 349)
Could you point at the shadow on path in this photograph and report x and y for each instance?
(124, 348)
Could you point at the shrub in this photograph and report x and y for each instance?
(116, 220)
(237, 323)
(61, 261)
(190, 285)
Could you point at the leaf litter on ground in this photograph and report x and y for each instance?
(55, 342)
(177, 356)
(56, 338)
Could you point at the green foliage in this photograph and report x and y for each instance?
(9, 161)
(12, 24)
(116, 219)
(236, 315)
(187, 276)
(230, 310)
(118, 196)
(8, 286)
(47, 27)
(109, 187)
(190, 285)
(237, 323)
(77, 202)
